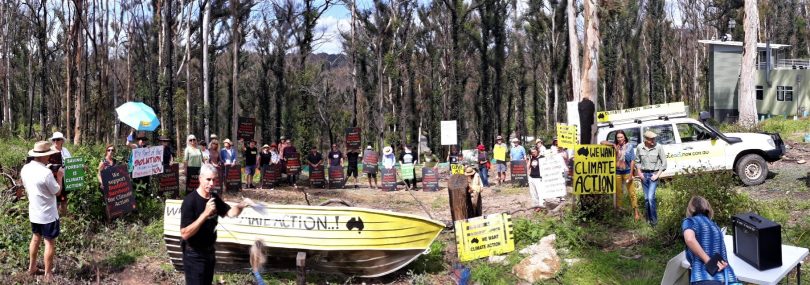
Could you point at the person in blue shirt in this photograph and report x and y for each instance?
(703, 240)
(517, 152)
(228, 154)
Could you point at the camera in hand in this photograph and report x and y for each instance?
(55, 167)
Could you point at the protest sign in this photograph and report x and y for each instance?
(456, 168)
(370, 160)
(247, 128)
(336, 177)
(470, 156)
(117, 188)
(192, 180)
(270, 175)
(147, 161)
(594, 169)
(169, 182)
(567, 136)
(430, 179)
(519, 177)
(233, 178)
(317, 177)
(218, 178)
(352, 138)
(389, 179)
(499, 152)
(74, 173)
(293, 163)
(484, 236)
(407, 171)
(553, 183)
(449, 133)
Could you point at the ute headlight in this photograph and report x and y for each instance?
(771, 143)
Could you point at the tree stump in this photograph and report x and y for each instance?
(457, 189)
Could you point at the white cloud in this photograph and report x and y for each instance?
(331, 27)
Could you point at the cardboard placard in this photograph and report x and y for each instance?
(553, 182)
(233, 178)
(317, 177)
(567, 136)
(499, 152)
(353, 138)
(74, 173)
(169, 182)
(456, 168)
(192, 181)
(337, 179)
(389, 179)
(430, 179)
(594, 169)
(519, 177)
(370, 160)
(247, 128)
(293, 163)
(117, 188)
(449, 132)
(270, 176)
(147, 161)
(484, 236)
(407, 171)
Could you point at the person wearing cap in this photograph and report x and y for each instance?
(352, 156)
(58, 140)
(42, 186)
(371, 176)
(408, 157)
(192, 157)
(483, 165)
(228, 154)
(474, 188)
(168, 153)
(651, 161)
(500, 165)
(251, 154)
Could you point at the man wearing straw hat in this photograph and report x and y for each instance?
(42, 188)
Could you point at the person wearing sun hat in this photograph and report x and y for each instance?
(228, 153)
(474, 188)
(168, 152)
(43, 186)
(58, 140)
(651, 161)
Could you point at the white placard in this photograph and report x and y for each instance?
(553, 182)
(449, 133)
(147, 161)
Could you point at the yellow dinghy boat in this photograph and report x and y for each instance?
(348, 240)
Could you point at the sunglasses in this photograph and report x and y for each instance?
(110, 150)
(192, 140)
(57, 140)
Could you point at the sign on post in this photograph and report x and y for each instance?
(430, 179)
(484, 236)
(553, 182)
(247, 128)
(370, 160)
(233, 178)
(74, 173)
(407, 171)
(336, 177)
(594, 169)
(147, 161)
(519, 177)
(169, 182)
(317, 178)
(352, 138)
(117, 187)
(270, 176)
(389, 179)
(567, 136)
(456, 168)
(449, 132)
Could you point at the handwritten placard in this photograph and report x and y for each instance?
(567, 136)
(74, 173)
(430, 179)
(117, 187)
(594, 169)
(456, 168)
(553, 182)
(147, 161)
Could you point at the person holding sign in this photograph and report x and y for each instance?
(407, 157)
(474, 188)
(43, 185)
(483, 165)
(454, 156)
(192, 156)
(168, 153)
(228, 154)
(517, 152)
(314, 158)
(650, 161)
(107, 161)
(198, 221)
(372, 175)
(290, 152)
(499, 152)
(625, 162)
(388, 159)
(213, 153)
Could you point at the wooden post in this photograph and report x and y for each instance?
(457, 189)
(300, 264)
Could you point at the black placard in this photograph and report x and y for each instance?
(217, 187)
(192, 178)
(169, 182)
(370, 160)
(317, 177)
(519, 177)
(270, 175)
(336, 177)
(247, 128)
(117, 186)
(352, 138)
(389, 179)
(430, 179)
(293, 163)
(233, 178)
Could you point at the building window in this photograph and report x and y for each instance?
(762, 59)
(760, 92)
(784, 93)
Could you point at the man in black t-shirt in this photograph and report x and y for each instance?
(351, 169)
(314, 158)
(250, 152)
(198, 219)
(335, 157)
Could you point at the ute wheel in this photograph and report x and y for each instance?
(752, 169)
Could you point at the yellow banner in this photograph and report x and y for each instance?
(567, 136)
(499, 152)
(594, 169)
(456, 168)
(643, 111)
(484, 236)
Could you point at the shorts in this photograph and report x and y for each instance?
(372, 175)
(500, 167)
(351, 171)
(250, 169)
(49, 231)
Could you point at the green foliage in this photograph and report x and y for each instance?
(787, 128)
(432, 262)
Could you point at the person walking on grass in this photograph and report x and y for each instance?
(651, 161)
(198, 221)
(625, 162)
(500, 164)
(42, 186)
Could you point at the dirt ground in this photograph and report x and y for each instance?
(788, 179)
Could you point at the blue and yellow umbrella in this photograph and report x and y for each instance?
(138, 115)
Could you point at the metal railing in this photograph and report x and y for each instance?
(790, 64)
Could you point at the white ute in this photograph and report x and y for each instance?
(693, 145)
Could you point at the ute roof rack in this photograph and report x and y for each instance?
(641, 114)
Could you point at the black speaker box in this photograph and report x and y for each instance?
(757, 241)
